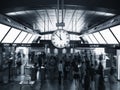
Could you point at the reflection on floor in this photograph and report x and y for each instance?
(50, 85)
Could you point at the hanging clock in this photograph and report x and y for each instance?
(60, 38)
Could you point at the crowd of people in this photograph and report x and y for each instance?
(86, 73)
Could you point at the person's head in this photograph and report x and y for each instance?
(92, 65)
(60, 61)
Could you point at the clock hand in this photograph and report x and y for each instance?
(58, 36)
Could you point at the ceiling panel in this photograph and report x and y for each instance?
(75, 20)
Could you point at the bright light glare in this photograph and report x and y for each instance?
(11, 36)
(31, 40)
(99, 51)
(93, 39)
(99, 38)
(88, 39)
(27, 38)
(74, 37)
(108, 37)
(21, 37)
(3, 30)
(116, 31)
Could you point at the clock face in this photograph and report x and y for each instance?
(60, 38)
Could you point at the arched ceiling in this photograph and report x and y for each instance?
(79, 15)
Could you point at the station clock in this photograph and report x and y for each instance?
(60, 38)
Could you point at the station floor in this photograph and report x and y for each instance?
(51, 85)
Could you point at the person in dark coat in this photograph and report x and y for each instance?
(87, 80)
(101, 85)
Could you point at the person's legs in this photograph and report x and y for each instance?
(59, 78)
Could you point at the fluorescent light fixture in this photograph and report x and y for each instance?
(105, 14)
(16, 13)
(11, 36)
(3, 30)
(64, 51)
(55, 51)
(108, 36)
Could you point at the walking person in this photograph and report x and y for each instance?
(101, 85)
(112, 79)
(60, 71)
(92, 77)
(76, 75)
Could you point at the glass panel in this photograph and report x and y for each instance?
(88, 39)
(3, 30)
(108, 37)
(21, 37)
(93, 39)
(99, 38)
(46, 37)
(27, 38)
(11, 36)
(31, 40)
(116, 31)
(74, 37)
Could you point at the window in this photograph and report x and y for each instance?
(3, 30)
(46, 37)
(93, 39)
(31, 39)
(27, 38)
(11, 36)
(88, 39)
(99, 38)
(108, 37)
(74, 37)
(116, 31)
(21, 37)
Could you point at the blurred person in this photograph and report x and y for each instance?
(76, 75)
(92, 77)
(101, 85)
(112, 79)
(60, 71)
